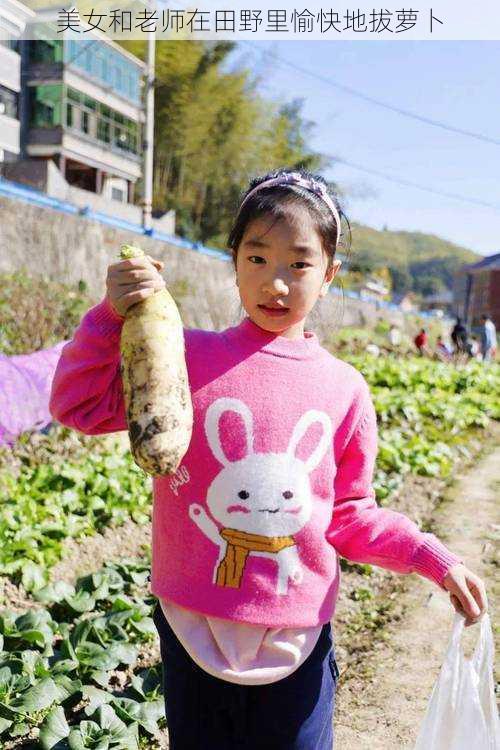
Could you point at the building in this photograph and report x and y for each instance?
(373, 289)
(476, 291)
(406, 301)
(441, 302)
(13, 18)
(76, 115)
(82, 100)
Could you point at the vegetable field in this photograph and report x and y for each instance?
(79, 662)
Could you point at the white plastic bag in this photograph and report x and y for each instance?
(462, 713)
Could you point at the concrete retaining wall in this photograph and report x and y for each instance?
(62, 247)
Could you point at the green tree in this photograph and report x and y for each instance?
(401, 279)
(213, 132)
(426, 284)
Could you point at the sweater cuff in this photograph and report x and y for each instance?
(106, 319)
(432, 560)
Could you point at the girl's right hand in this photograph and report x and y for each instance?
(132, 280)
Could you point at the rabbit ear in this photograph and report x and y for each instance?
(212, 417)
(300, 430)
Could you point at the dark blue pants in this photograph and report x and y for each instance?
(206, 713)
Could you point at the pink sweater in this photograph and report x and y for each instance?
(276, 483)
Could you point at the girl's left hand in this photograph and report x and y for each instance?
(467, 593)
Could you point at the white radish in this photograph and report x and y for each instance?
(156, 390)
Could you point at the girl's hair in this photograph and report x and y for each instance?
(275, 200)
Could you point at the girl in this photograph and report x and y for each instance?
(276, 484)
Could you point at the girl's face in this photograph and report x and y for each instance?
(282, 265)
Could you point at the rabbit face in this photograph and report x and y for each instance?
(263, 493)
(267, 494)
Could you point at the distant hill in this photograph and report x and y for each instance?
(423, 263)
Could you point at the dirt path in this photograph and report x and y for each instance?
(384, 712)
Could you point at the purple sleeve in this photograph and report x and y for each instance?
(363, 532)
(87, 393)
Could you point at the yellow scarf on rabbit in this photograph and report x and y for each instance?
(239, 544)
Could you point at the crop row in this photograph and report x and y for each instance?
(425, 411)
(70, 677)
(61, 662)
(48, 502)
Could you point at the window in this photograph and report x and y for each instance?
(69, 115)
(99, 121)
(73, 95)
(120, 138)
(104, 68)
(8, 102)
(45, 105)
(103, 63)
(103, 129)
(127, 137)
(46, 51)
(89, 103)
(117, 195)
(87, 59)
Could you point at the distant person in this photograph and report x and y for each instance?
(394, 336)
(459, 336)
(488, 338)
(421, 341)
(442, 351)
(373, 349)
(473, 348)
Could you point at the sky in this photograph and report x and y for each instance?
(454, 82)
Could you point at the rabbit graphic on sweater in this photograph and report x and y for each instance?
(261, 500)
